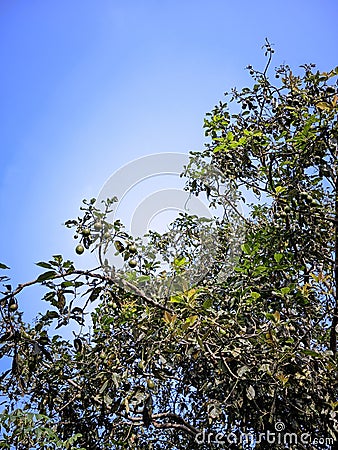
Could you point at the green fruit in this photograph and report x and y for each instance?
(287, 209)
(132, 248)
(85, 232)
(132, 263)
(98, 226)
(13, 307)
(150, 384)
(106, 235)
(141, 365)
(79, 249)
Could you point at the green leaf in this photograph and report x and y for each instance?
(52, 315)
(310, 353)
(278, 257)
(259, 270)
(250, 393)
(191, 320)
(270, 316)
(207, 304)
(285, 290)
(143, 278)
(44, 265)
(280, 189)
(230, 136)
(275, 317)
(179, 262)
(131, 276)
(3, 266)
(246, 248)
(49, 296)
(115, 378)
(95, 293)
(50, 274)
(104, 387)
(177, 299)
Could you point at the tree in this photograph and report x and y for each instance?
(251, 351)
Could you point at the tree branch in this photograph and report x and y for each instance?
(105, 278)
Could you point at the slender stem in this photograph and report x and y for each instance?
(103, 277)
(334, 325)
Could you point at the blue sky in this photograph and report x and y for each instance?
(88, 86)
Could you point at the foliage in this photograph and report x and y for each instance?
(236, 353)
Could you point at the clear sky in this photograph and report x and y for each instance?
(88, 86)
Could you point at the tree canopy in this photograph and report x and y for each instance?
(251, 351)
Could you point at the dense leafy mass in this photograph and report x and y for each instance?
(234, 354)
